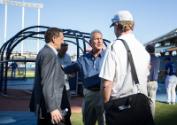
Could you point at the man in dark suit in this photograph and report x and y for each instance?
(47, 93)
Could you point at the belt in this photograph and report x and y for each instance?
(94, 89)
(152, 81)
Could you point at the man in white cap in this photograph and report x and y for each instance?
(116, 70)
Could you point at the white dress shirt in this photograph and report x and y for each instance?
(115, 67)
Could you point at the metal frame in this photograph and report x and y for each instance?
(80, 39)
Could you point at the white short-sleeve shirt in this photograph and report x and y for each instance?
(116, 67)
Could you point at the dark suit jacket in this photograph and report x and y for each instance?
(49, 83)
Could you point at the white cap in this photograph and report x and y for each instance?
(122, 15)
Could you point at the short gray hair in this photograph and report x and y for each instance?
(93, 32)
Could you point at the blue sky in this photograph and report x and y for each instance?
(153, 18)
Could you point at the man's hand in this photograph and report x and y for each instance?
(56, 116)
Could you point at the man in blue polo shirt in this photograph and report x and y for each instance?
(89, 66)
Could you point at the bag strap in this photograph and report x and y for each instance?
(130, 58)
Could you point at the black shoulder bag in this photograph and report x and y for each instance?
(130, 110)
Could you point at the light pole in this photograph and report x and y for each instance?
(5, 23)
(23, 25)
(23, 5)
(38, 23)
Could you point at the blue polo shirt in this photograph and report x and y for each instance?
(89, 69)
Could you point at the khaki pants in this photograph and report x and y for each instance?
(152, 90)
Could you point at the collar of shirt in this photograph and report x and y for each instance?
(101, 54)
(124, 36)
(54, 50)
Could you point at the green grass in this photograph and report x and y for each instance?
(19, 74)
(165, 115)
(76, 119)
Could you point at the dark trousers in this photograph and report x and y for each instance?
(64, 104)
